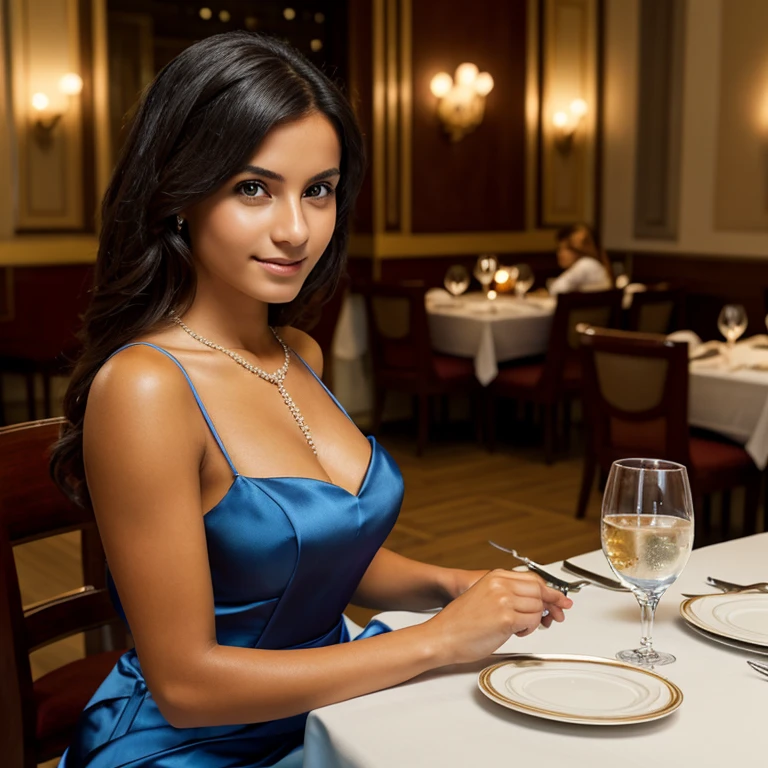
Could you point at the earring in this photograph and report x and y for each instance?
(179, 222)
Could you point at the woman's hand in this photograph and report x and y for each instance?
(493, 606)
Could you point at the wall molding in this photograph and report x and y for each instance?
(659, 118)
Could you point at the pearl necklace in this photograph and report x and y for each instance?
(277, 378)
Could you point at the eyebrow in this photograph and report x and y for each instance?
(257, 171)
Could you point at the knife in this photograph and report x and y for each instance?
(758, 667)
(595, 578)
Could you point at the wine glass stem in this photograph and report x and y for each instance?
(647, 610)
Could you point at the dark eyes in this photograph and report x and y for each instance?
(255, 189)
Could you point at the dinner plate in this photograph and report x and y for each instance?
(738, 645)
(579, 689)
(741, 616)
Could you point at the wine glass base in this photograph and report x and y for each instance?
(642, 658)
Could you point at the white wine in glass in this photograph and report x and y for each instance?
(485, 270)
(456, 280)
(647, 536)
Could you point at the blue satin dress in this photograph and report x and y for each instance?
(286, 555)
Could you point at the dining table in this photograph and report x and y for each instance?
(489, 331)
(442, 719)
(728, 393)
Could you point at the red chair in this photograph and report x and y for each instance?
(636, 402)
(557, 378)
(402, 356)
(37, 718)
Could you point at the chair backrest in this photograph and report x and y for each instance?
(655, 311)
(398, 329)
(635, 395)
(592, 308)
(32, 507)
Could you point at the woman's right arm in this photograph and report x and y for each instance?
(144, 442)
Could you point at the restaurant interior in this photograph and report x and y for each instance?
(509, 143)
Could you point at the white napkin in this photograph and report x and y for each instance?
(694, 341)
(626, 299)
(438, 294)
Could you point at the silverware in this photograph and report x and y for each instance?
(729, 586)
(594, 578)
(553, 581)
(759, 667)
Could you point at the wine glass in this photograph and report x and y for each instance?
(732, 322)
(485, 269)
(647, 535)
(524, 280)
(456, 280)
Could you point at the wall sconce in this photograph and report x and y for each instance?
(46, 120)
(461, 99)
(566, 123)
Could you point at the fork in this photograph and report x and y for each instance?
(729, 586)
(759, 667)
(553, 581)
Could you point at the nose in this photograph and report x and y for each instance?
(290, 225)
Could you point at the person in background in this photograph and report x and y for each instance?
(585, 264)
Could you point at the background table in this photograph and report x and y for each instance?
(733, 400)
(490, 332)
(441, 719)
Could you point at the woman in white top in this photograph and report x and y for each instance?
(585, 265)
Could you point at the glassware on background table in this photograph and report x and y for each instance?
(456, 280)
(525, 279)
(647, 536)
(732, 322)
(485, 269)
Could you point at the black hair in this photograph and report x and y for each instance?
(198, 124)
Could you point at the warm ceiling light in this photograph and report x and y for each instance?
(224, 16)
(316, 45)
(560, 119)
(319, 18)
(484, 83)
(578, 108)
(40, 101)
(466, 73)
(441, 83)
(289, 14)
(251, 22)
(71, 84)
(206, 14)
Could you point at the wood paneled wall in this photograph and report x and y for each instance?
(478, 183)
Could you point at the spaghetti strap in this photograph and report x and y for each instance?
(322, 384)
(194, 392)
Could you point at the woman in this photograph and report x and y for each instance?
(239, 507)
(585, 265)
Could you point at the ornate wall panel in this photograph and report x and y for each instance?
(659, 126)
(569, 55)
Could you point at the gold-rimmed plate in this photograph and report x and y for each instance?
(740, 616)
(737, 644)
(579, 689)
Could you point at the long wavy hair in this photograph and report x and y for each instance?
(197, 125)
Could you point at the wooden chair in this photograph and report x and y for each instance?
(658, 310)
(636, 400)
(557, 378)
(37, 718)
(402, 355)
(321, 325)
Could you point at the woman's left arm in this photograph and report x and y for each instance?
(393, 582)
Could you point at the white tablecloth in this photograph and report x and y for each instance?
(490, 332)
(729, 397)
(441, 720)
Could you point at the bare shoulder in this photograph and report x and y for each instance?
(305, 346)
(137, 393)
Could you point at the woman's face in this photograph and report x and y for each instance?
(572, 248)
(266, 228)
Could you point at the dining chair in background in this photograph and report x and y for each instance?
(402, 355)
(656, 310)
(556, 379)
(636, 404)
(37, 718)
